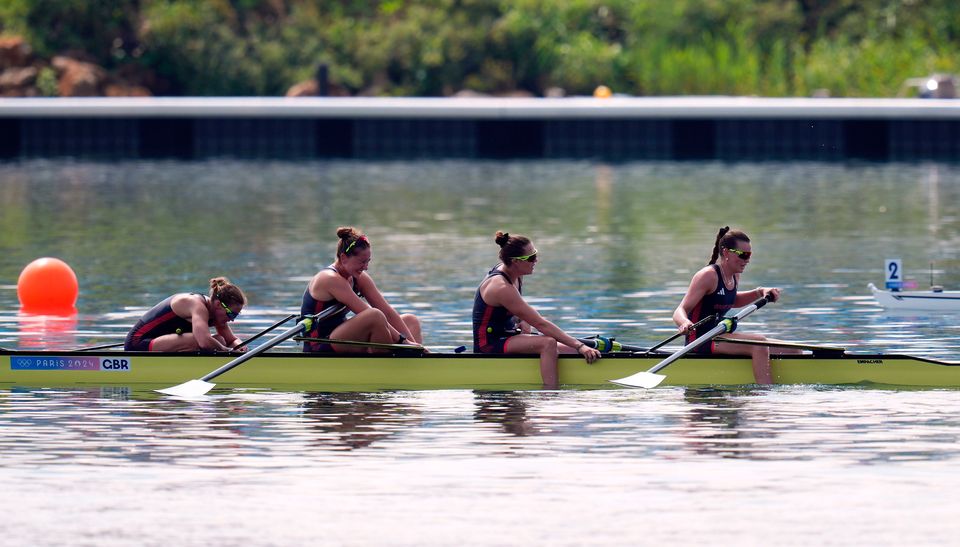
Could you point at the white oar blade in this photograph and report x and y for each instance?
(193, 388)
(640, 379)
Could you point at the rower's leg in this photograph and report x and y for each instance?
(370, 325)
(543, 345)
(175, 342)
(759, 356)
(413, 325)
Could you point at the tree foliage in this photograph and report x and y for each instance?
(438, 47)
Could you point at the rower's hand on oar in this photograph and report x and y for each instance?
(772, 294)
(588, 353)
(685, 326)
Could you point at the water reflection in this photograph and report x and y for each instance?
(43, 331)
(507, 409)
(714, 422)
(356, 420)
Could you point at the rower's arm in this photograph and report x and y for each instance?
(377, 300)
(700, 286)
(199, 321)
(744, 298)
(229, 338)
(341, 291)
(507, 296)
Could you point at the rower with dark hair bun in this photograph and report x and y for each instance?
(498, 305)
(347, 283)
(714, 290)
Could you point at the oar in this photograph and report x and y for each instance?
(679, 334)
(104, 346)
(195, 388)
(270, 328)
(379, 345)
(605, 345)
(602, 344)
(782, 344)
(650, 378)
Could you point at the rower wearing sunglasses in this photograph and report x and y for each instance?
(714, 291)
(347, 285)
(182, 322)
(498, 305)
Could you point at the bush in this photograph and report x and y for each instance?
(437, 47)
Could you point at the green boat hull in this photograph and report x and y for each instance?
(302, 372)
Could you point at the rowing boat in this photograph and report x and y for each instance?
(305, 372)
(932, 300)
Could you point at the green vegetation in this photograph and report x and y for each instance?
(439, 47)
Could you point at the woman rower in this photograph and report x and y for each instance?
(346, 284)
(714, 290)
(182, 322)
(498, 304)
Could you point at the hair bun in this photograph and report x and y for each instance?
(501, 238)
(344, 232)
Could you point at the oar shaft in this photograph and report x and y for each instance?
(268, 329)
(681, 333)
(719, 329)
(379, 345)
(104, 346)
(253, 353)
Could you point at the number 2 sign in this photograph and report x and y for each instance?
(894, 273)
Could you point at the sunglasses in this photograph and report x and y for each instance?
(532, 257)
(744, 255)
(231, 315)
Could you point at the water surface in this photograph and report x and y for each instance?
(619, 243)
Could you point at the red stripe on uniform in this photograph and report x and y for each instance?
(484, 323)
(694, 317)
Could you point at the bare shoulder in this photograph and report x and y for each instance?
(187, 299)
(707, 272)
(705, 279)
(325, 274)
(325, 278)
(496, 289)
(186, 304)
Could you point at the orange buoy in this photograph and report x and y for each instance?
(48, 286)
